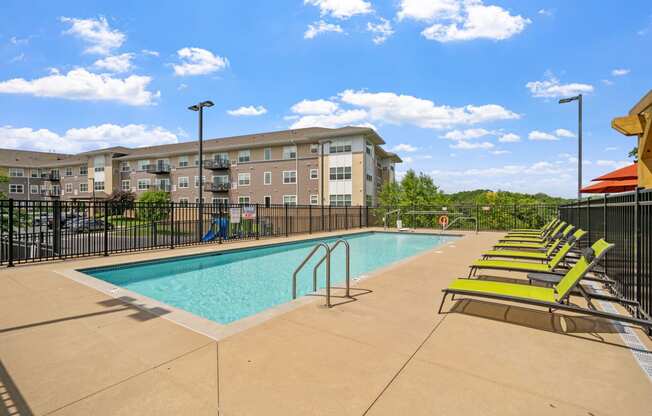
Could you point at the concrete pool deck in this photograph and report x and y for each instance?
(67, 349)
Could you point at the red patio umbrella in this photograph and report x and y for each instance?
(606, 187)
(628, 172)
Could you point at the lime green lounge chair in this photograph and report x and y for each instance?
(554, 298)
(520, 245)
(522, 266)
(530, 239)
(541, 231)
(530, 255)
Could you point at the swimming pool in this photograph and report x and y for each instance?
(228, 286)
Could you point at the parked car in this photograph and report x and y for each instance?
(81, 225)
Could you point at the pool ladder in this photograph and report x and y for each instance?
(327, 259)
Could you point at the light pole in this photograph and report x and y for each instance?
(200, 108)
(577, 98)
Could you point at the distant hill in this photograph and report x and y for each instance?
(486, 196)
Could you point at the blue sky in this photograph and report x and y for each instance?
(464, 90)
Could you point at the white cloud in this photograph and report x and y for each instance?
(341, 9)
(19, 41)
(79, 84)
(509, 138)
(248, 111)
(382, 31)
(550, 87)
(500, 152)
(540, 135)
(564, 133)
(407, 159)
(17, 58)
(116, 63)
(545, 12)
(182, 86)
(613, 163)
(464, 145)
(198, 61)
(339, 118)
(84, 139)
(96, 33)
(607, 82)
(466, 134)
(314, 107)
(477, 21)
(321, 26)
(150, 52)
(610, 149)
(619, 72)
(404, 147)
(429, 10)
(399, 109)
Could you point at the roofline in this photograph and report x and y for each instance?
(643, 104)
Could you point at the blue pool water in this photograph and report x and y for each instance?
(233, 285)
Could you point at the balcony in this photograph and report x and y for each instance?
(217, 164)
(218, 187)
(158, 168)
(53, 193)
(52, 176)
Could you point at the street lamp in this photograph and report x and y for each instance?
(577, 98)
(200, 108)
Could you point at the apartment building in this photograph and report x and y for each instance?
(344, 166)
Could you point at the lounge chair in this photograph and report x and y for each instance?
(556, 297)
(534, 239)
(540, 231)
(530, 255)
(522, 266)
(519, 245)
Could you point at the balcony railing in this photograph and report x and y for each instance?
(52, 176)
(53, 193)
(218, 187)
(216, 164)
(158, 168)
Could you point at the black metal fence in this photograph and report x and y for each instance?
(460, 217)
(626, 221)
(33, 231)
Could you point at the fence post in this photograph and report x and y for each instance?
(309, 219)
(106, 228)
(366, 222)
(257, 224)
(286, 220)
(172, 225)
(11, 233)
(329, 218)
(360, 216)
(637, 246)
(346, 217)
(219, 223)
(56, 227)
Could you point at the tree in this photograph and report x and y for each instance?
(153, 205)
(633, 153)
(120, 201)
(4, 179)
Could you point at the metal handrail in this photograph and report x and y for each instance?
(303, 263)
(387, 214)
(462, 218)
(348, 272)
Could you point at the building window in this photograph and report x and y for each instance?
(33, 189)
(83, 187)
(197, 180)
(184, 182)
(314, 174)
(340, 173)
(16, 188)
(68, 188)
(314, 199)
(16, 173)
(267, 200)
(267, 153)
(289, 152)
(244, 179)
(183, 163)
(290, 176)
(83, 170)
(68, 172)
(369, 147)
(124, 166)
(341, 200)
(99, 169)
(244, 156)
(99, 186)
(35, 173)
(370, 178)
(314, 148)
(340, 147)
(369, 200)
(125, 185)
(289, 199)
(183, 201)
(142, 164)
(221, 179)
(267, 178)
(221, 157)
(221, 200)
(143, 184)
(243, 199)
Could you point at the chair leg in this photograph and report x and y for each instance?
(443, 299)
